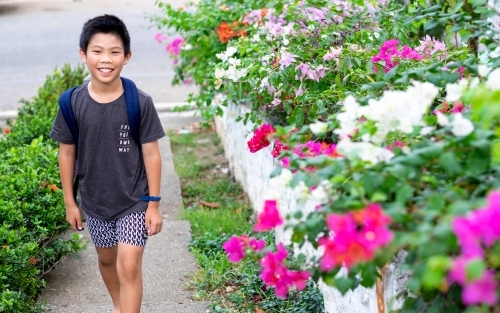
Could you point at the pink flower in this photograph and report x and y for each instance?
(355, 238)
(160, 37)
(235, 248)
(174, 47)
(275, 273)
(257, 245)
(482, 290)
(304, 70)
(269, 218)
(286, 59)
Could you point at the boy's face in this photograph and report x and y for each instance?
(105, 57)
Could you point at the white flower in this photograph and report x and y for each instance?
(426, 130)
(442, 119)
(224, 56)
(483, 70)
(454, 91)
(219, 73)
(493, 81)
(318, 128)
(285, 40)
(461, 126)
(187, 47)
(255, 38)
(365, 151)
(234, 61)
(321, 194)
(301, 191)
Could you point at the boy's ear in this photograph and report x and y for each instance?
(127, 57)
(83, 56)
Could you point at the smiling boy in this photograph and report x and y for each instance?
(113, 171)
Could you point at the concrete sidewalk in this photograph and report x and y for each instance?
(76, 286)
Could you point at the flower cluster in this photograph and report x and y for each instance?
(395, 111)
(260, 138)
(226, 31)
(477, 230)
(430, 46)
(312, 149)
(390, 55)
(275, 273)
(232, 72)
(237, 245)
(355, 238)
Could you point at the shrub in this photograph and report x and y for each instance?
(32, 212)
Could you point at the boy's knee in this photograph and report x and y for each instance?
(107, 257)
(128, 269)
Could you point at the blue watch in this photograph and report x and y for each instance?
(150, 198)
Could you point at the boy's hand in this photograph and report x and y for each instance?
(73, 217)
(154, 221)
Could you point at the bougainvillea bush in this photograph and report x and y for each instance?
(383, 115)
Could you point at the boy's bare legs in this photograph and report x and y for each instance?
(107, 265)
(129, 268)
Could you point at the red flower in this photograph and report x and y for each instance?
(6, 130)
(260, 138)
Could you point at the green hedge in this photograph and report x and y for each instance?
(32, 213)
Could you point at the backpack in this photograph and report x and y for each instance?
(133, 113)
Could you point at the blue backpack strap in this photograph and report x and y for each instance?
(133, 109)
(69, 117)
(67, 112)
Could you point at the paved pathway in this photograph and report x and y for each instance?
(76, 286)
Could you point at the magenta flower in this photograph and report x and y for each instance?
(235, 248)
(257, 245)
(275, 273)
(482, 290)
(269, 218)
(174, 47)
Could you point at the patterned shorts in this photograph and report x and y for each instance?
(129, 229)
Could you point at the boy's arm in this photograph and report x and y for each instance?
(152, 163)
(67, 171)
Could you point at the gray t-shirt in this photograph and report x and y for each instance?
(109, 163)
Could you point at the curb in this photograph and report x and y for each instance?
(160, 107)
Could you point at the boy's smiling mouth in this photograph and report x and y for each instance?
(105, 70)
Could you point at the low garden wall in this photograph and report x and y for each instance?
(253, 170)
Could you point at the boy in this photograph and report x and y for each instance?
(113, 172)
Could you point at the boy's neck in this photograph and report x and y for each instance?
(104, 93)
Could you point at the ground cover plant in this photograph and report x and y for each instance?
(217, 207)
(32, 212)
(384, 118)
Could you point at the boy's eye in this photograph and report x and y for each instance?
(116, 52)
(97, 51)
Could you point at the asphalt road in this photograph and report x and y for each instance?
(38, 36)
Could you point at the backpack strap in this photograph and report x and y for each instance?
(69, 117)
(67, 112)
(133, 109)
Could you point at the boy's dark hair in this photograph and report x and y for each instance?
(107, 24)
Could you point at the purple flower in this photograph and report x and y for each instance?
(286, 59)
(304, 70)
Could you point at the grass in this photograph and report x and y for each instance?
(217, 207)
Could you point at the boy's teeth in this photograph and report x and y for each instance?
(105, 70)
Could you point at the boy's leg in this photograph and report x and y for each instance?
(107, 266)
(103, 235)
(132, 237)
(129, 267)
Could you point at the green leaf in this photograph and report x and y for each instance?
(448, 161)
(343, 284)
(404, 193)
(475, 269)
